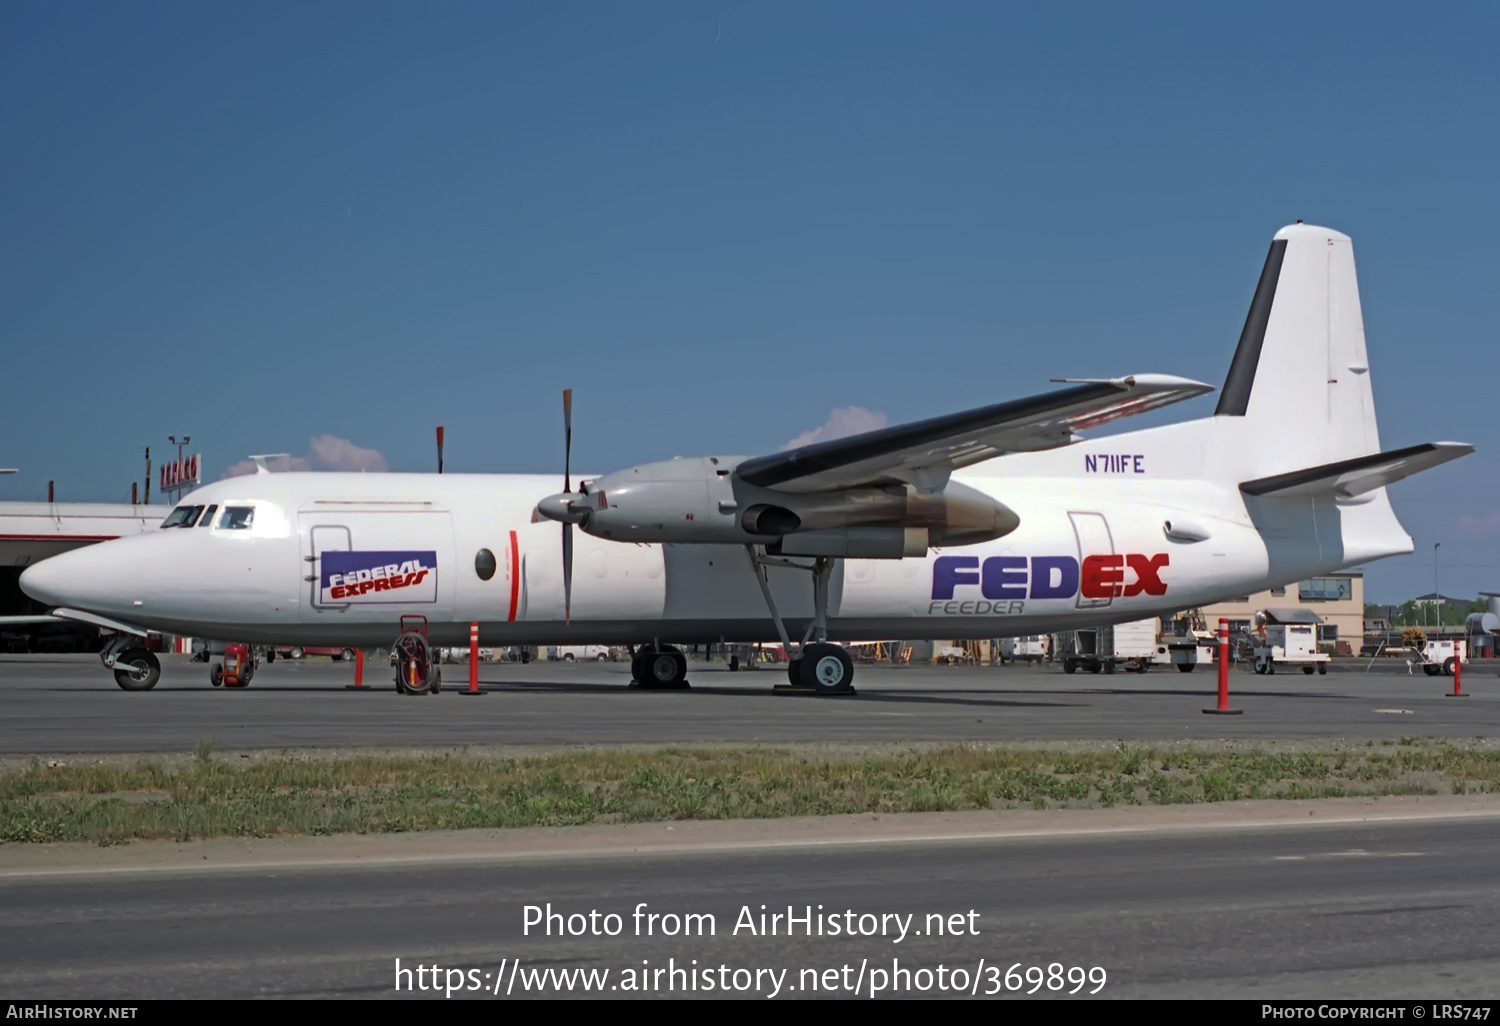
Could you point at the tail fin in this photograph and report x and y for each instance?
(1300, 376)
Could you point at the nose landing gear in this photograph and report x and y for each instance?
(135, 667)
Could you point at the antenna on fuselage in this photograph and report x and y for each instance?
(260, 461)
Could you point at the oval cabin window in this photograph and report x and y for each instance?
(484, 564)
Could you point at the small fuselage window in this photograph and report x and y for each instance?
(236, 518)
(183, 516)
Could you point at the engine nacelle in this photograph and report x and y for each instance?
(700, 500)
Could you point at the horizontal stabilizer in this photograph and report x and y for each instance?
(1349, 478)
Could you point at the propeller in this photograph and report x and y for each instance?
(567, 527)
(560, 507)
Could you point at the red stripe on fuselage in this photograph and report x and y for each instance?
(515, 574)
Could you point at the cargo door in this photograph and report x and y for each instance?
(370, 562)
(1102, 573)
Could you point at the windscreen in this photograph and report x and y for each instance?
(236, 518)
(183, 516)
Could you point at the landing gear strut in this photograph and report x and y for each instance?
(815, 666)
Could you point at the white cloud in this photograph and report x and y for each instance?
(1481, 526)
(328, 452)
(842, 422)
(332, 453)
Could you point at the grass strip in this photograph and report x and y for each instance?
(213, 795)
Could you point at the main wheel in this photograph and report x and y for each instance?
(137, 670)
(664, 667)
(827, 669)
(794, 671)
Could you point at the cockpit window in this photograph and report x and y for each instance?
(208, 516)
(183, 516)
(236, 518)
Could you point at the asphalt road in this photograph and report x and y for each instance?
(58, 704)
(1368, 911)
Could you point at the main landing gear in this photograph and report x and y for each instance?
(135, 667)
(815, 667)
(658, 666)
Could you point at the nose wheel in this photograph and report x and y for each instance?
(137, 669)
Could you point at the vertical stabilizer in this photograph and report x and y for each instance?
(1300, 377)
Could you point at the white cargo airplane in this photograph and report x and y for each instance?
(993, 522)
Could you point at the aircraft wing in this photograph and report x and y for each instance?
(63, 615)
(1348, 478)
(927, 451)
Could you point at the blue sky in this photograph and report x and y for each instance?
(717, 223)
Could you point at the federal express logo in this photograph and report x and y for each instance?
(1005, 582)
(377, 578)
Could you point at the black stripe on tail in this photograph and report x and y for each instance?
(1235, 397)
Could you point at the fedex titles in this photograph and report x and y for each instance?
(1007, 580)
(379, 577)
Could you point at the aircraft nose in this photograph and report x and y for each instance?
(83, 578)
(47, 581)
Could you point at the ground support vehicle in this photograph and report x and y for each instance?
(1290, 644)
(1437, 656)
(235, 669)
(1132, 645)
(580, 653)
(1186, 651)
(1030, 648)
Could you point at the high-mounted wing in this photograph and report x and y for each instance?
(927, 451)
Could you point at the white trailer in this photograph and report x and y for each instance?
(1106, 648)
(1290, 644)
(1438, 655)
(1186, 651)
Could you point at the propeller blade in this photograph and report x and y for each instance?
(567, 439)
(567, 573)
